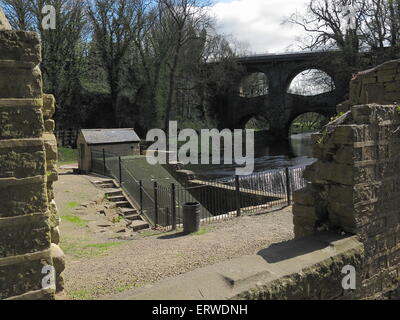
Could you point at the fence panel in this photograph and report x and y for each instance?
(220, 199)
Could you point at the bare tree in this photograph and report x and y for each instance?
(181, 20)
(114, 24)
(19, 13)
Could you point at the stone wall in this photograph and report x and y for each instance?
(29, 233)
(355, 184)
(378, 85)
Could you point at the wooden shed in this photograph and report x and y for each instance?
(122, 142)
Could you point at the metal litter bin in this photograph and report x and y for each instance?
(191, 217)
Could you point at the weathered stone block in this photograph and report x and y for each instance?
(307, 212)
(20, 83)
(58, 258)
(55, 235)
(345, 155)
(49, 126)
(50, 143)
(307, 196)
(23, 198)
(19, 123)
(22, 274)
(22, 235)
(22, 162)
(49, 106)
(20, 46)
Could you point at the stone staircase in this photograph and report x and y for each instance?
(115, 194)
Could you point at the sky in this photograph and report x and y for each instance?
(258, 23)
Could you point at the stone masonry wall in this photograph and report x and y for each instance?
(355, 185)
(29, 233)
(378, 85)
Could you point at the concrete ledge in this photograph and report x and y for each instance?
(231, 279)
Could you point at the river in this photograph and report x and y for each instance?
(297, 151)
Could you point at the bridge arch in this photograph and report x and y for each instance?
(255, 121)
(310, 121)
(254, 84)
(311, 80)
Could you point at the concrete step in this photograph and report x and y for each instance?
(128, 211)
(123, 204)
(138, 225)
(133, 217)
(113, 192)
(101, 182)
(117, 198)
(107, 186)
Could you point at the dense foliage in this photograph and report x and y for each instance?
(130, 63)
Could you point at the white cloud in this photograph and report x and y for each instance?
(258, 23)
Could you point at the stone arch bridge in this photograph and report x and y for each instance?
(279, 107)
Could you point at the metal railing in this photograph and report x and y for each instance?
(162, 204)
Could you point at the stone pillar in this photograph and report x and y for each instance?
(354, 189)
(28, 216)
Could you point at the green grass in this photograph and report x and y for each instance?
(91, 250)
(202, 231)
(75, 220)
(96, 291)
(67, 155)
(126, 288)
(73, 204)
(82, 294)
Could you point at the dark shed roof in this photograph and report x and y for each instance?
(109, 136)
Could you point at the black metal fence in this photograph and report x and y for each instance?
(162, 204)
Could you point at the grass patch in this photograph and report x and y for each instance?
(202, 232)
(82, 294)
(67, 155)
(73, 204)
(91, 250)
(103, 245)
(75, 220)
(126, 288)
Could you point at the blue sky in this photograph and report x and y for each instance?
(258, 23)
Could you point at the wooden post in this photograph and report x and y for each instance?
(238, 196)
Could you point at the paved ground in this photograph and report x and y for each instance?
(102, 263)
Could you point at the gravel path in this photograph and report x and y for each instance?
(121, 265)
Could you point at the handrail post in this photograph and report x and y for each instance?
(173, 206)
(120, 170)
(156, 203)
(104, 162)
(238, 196)
(288, 187)
(141, 196)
